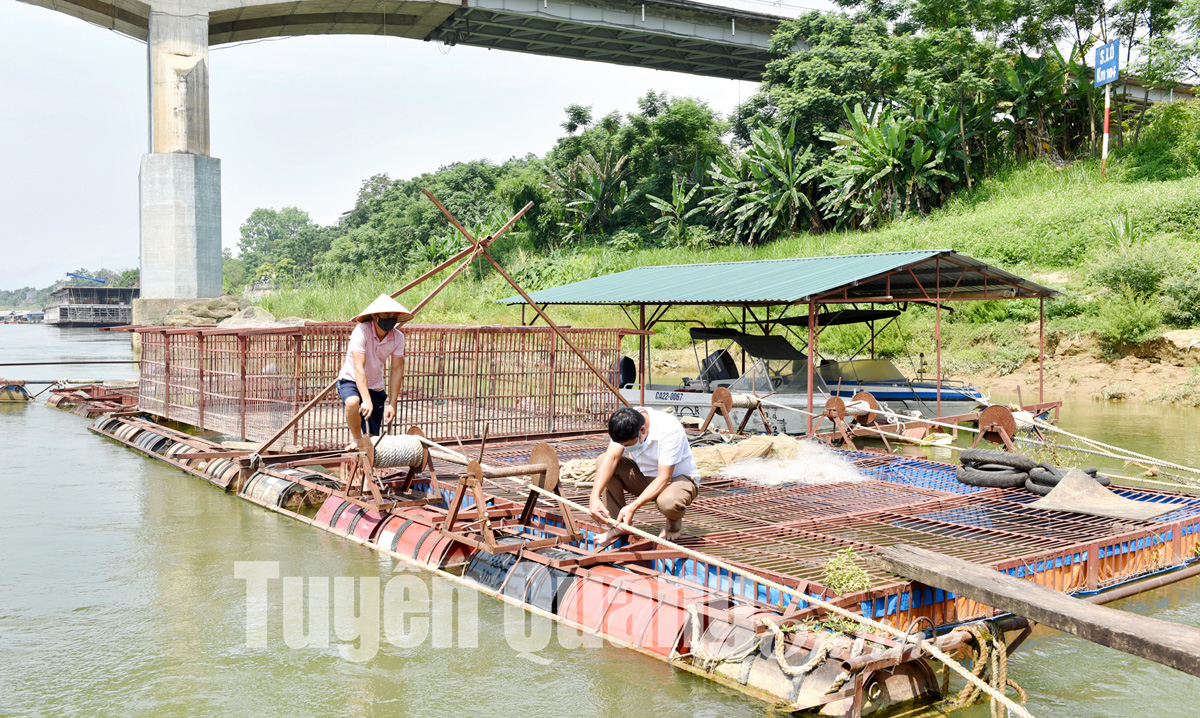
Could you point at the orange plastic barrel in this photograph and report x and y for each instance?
(631, 608)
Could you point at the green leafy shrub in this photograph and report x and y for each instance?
(1125, 319)
(1139, 267)
(1170, 144)
(843, 575)
(1181, 299)
(626, 241)
(981, 312)
(1069, 304)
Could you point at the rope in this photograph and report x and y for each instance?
(1143, 457)
(578, 472)
(879, 628)
(398, 450)
(880, 410)
(992, 653)
(708, 662)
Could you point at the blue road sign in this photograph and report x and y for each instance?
(1108, 63)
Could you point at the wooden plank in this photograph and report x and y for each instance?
(1170, 644)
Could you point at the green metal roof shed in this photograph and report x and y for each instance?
(923, 275)
(928, 276)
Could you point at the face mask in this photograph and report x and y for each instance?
(386, 323)
(636, 448)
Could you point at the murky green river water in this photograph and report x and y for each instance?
(119, 596)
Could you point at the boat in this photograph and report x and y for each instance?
(12, 391)
(778, 371)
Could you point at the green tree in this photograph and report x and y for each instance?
(578, 117)
(268, 235)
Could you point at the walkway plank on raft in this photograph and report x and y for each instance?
(1170, 644)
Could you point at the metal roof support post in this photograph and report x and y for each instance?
(812, 321)
(642, 352)
(937, 334)
(1041, 348)
(743, 332)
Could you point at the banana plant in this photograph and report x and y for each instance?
(766, 191)
(886, 164)
(673, 224)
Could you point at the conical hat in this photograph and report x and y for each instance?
(384, 304)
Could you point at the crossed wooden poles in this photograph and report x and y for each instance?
(478, 248)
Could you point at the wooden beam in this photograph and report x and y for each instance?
(1170, 644)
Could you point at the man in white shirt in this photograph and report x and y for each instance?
(645, 443)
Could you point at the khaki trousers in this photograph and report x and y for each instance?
(672, 501)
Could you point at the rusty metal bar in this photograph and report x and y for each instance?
(554, 327)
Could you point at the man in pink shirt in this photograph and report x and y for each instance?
(375, 340)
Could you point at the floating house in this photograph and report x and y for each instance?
(91, 306)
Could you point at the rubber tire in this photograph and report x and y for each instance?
(994, 468)
(997, 456)
(1039, 475)
(1090, 471)
(990, 479)
(1037, 488)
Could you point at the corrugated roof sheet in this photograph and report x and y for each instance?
(786, 281)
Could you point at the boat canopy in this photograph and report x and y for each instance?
(845, 316)
(773, 346)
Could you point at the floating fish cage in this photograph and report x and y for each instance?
(515, 381)
(727, 625)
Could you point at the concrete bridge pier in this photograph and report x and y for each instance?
(179, 183)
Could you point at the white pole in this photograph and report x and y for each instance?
(1104, 151)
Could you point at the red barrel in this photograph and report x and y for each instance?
(341, 524)
(641, 611)
(365, 526)
(587, 599)
(326, 513)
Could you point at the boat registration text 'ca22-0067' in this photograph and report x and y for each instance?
(668, 396)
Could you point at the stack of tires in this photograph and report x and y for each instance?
(1044, 477)
(994, 468)
(998, 469)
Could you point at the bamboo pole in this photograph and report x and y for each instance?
(549, 322)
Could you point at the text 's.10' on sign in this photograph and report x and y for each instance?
(1107, 63)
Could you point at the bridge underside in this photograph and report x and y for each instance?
(674, 35)
(662, 41)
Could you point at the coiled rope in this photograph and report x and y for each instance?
(399, 450)
(880, 628)
(708, 662)
(991, 653)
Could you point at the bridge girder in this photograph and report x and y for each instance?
(675, 35)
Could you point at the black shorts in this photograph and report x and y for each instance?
(373, 423)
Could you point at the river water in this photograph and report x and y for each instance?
(119, 596)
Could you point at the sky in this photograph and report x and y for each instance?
(295, 122)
